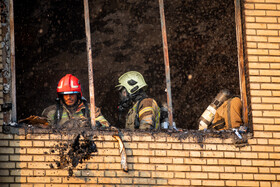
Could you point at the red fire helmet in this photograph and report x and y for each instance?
(69, 84)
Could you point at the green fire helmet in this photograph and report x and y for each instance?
(132, 81)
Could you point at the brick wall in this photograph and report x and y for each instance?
(164, 159)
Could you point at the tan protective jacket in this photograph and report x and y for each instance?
(148, 112)
(228, 115)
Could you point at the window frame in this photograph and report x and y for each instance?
(12, 112)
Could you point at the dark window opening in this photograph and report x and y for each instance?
(50, 42)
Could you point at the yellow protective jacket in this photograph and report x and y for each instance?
(228, 115)
(148, 115)
(66, 115)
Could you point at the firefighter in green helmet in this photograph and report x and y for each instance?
(143, 112)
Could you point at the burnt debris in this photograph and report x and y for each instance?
(71, 154)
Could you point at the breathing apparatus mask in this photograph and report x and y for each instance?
(125, 99)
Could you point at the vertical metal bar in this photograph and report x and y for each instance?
(166, 62)
(90, 69)
(13, 64)
(242, 81)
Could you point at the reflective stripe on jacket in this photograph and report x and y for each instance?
(148, 112)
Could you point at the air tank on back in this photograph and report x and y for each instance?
(208, 115)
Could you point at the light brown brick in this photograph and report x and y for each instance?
(38, 179)
(272, 127)
(143, 145)
(246, 162)
(275, 170)
(258, 134)
(262, 141)
(159, 146)
(266, 19)
(248, 177)
(260, 93)
(178, 153)
(230, 183)
(267, 32)
(38, 165)
(271, 100)
(254, 12)
(20, 143)
(161, 167)
(143, 159)
(159, 160)
(144, 152)
(273, 39)
(145, 174)
(109, 173)
(213, 168)
(38, 158)
(274, 141)
(196, 182)
(246, 155)
(251, 45)
(177, 182)
(20, 158)
(273, 13)
(230, 176)
(276, 93)
(257, 51)
(264, 177)
(211, 154)
(251, 32)
(229, 169)
(212, 161)
(273, 86)
(178, 160)
(253, 58)
(261, 148)
(256, 38)
(246, 169)
(57, 172)
(256, 99)
(162, 175)
(274, 52)
(262, 121)
(250, 19)
(111, 152)
(268, 45)
(196, 168)
(263, 163)
(262, 106)
(260, 79)
(229, 162)
(264, 170)
(161, 181)
(213, 176)
(144, 167)
(257, 65)
(275, 184)
(178, 168)
(256, 25)
(143, 181)
(213, 183)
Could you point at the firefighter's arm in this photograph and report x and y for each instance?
(148, 114)
(100, 118)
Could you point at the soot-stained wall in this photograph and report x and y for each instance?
(126, 35)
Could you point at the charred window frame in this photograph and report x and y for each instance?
(10, 98)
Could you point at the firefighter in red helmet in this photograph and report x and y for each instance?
(71, 105)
